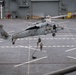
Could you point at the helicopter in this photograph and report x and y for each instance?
(44, 27)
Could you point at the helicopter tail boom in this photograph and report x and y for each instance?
(3, 33)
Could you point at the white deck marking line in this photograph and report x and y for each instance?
(58, 46)
(67, 46)
(2, 46)
(54, 38)
(16, 46)
(59, 38)
(71, 57)
(34, 38)
(29, 57)
(30, 61)
(63, 22)
(36, 46)
(1, 39)
(72, 46)
(11, 31)
(64, 38)
(49, 39)
(70, 50)
(12, 47)
(47, 46)
(54, 46)
(63, 45)
(66, 35)
(72, 28)
(73, 38)
(7, 46)
(68, 38)
(44, 46)
(21, 47)
(43, 38)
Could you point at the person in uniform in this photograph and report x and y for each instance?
(54, 27)
(39, 40)
(41, 46)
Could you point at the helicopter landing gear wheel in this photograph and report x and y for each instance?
(33, 57)
(53, 34)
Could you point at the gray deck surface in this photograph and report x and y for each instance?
(58, 52)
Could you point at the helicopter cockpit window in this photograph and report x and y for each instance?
(34, 27)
